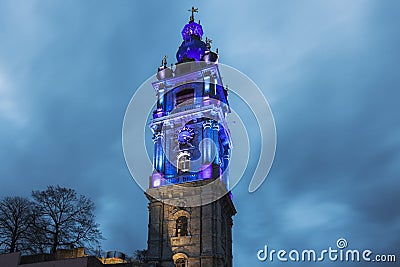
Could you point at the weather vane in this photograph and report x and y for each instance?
(193, 10)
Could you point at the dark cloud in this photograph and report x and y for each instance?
(329, 69)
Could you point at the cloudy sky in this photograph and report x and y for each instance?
(329, 69)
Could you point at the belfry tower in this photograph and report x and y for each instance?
(190, 207)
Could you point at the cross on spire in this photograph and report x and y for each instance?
(193, 10)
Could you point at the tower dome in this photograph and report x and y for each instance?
(192, 29)
(192, 47)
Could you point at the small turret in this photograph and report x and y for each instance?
(163, 71)
(209, 56)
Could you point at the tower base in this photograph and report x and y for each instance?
(189, 236)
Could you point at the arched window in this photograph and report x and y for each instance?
(180, 263)
(185, 97)
(183, 163)
(181, 226)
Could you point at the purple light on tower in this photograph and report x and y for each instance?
(156, 180)
(190, 29)
(158, 113)
(192, 48)
(207, 171)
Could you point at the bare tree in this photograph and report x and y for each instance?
(15, 221)
(63, 219)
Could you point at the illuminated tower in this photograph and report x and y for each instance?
(190, 208)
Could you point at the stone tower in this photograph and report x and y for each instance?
(190, 207)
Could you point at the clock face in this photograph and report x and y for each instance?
(185, 135)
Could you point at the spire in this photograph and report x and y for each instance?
(193, 48)
(193, 10)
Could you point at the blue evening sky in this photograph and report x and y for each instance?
(330, 70)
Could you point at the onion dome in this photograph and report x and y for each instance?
(192, 29)
(192, 47)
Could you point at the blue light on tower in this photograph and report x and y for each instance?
(190, 205)
(190, 134)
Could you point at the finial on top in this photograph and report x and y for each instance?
(208, 42)
(193, 10)
(164, 61)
